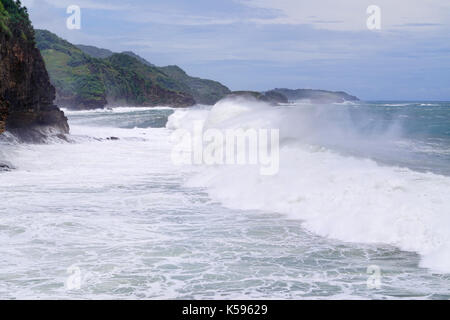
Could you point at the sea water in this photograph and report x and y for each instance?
(360, 207)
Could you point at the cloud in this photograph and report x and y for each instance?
(140, 12)
(258, 44)
(421, 25)
(351, 15)
(342, 15)
(85, 4)
(170, 18)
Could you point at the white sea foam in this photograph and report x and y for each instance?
(397, 104)
(119, 211)
(113, 110)
(337, 196)
(429, 105)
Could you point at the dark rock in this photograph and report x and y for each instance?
(113, 138)
(3, 115)
(5, 167)
(26, 95)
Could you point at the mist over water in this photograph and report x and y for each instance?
(359, 185)
(329, 177)
(413, 135)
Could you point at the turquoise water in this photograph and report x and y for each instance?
(410, 134)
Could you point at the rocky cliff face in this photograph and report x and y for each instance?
(83, 81)
(204, 91)
(26, 95)
(3, 115)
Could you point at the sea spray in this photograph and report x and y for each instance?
(335, 193)
(121, 212)
(235, 146)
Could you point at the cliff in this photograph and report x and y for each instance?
(118, 78)
(204, 91)
(26, 95)
(84, 81)
(141, 84)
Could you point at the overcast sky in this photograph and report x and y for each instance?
(262, 44)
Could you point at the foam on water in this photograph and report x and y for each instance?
(113, 110)
(138, 226)
(337, 196)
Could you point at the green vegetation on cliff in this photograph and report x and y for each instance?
(203, 91)
(12, 12)
(88, 77)
(95, 52)
(4, 20)
(71, 72)
(26, 94)
(85, 82)
(15, 17)
(105, 53)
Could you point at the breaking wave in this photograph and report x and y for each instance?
(338, 174)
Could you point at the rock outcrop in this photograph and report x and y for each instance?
(5, 167)
(315, 96)
(284, 96)
(269, 97)
(26, 95)
(3, 115)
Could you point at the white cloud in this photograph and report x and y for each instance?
(85, 4)
(172, 18)
(342, 15)
(142, 13)
(350, 15)
(28, 3)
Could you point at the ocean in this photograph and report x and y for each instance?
(359, 209)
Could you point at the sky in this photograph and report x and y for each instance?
(265, 44)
